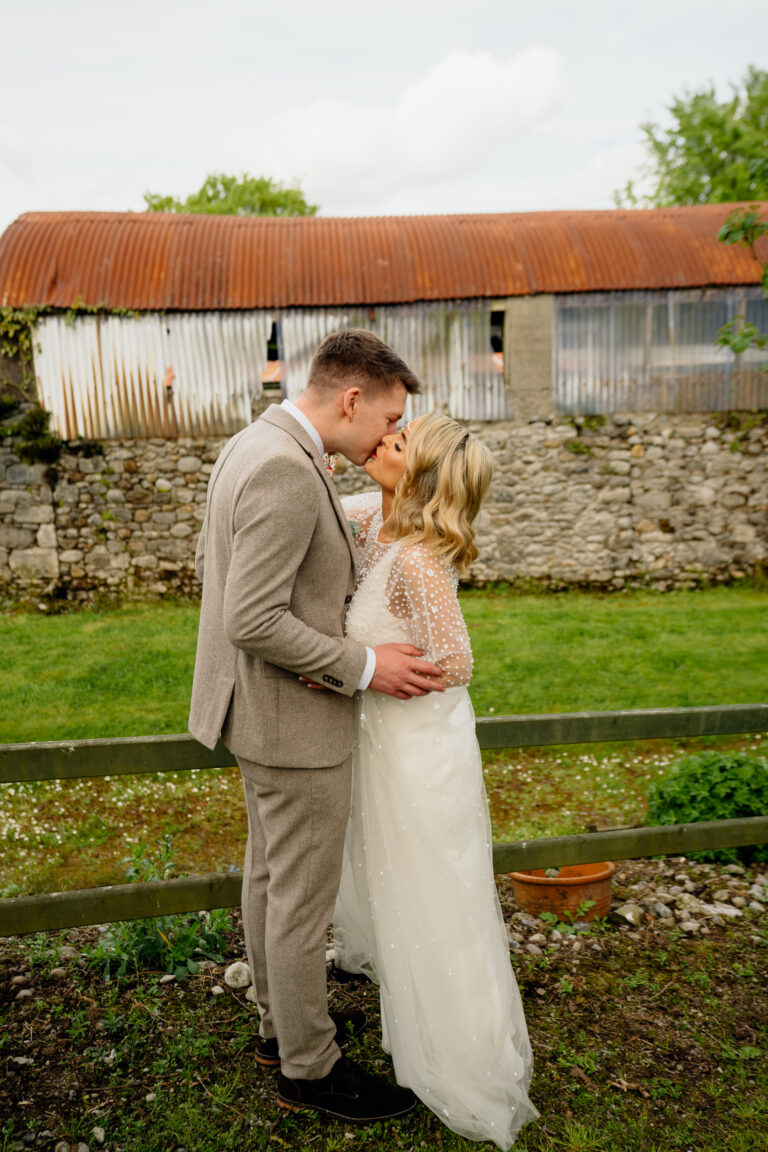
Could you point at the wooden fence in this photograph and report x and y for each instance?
(81, 758)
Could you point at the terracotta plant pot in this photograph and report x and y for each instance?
(564, 894)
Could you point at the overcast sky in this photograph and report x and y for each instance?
(402, 107)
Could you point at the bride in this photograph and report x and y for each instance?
(417, 909)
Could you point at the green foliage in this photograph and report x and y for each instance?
(745, 1052)
(244, 195)
(8, 406)
(38, 444)
(16, 344)
(16, 332)
(713, 786)
(579, 448)
(739, 335)
(744, 227)
(174, 943)
(713, 152)
(592, 422)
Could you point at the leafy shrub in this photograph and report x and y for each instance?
(713, 786)
(38, 444)
(175, 944)
(8, 406)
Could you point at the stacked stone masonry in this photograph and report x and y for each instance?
(636, 500)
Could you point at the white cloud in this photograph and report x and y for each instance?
(428, 106)
(592, 184)
(451, 121)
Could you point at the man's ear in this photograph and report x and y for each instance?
(350, 402)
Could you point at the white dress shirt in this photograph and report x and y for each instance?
(312, 432)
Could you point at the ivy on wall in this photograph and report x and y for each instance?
(16, 345)
(17, 334)
(18, 392)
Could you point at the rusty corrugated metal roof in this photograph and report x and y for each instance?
(150, 261)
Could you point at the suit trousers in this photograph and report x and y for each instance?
(297, 820)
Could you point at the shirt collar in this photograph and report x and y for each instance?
(306, 424)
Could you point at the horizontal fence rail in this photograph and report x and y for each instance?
(70, 759)
(83, 758)
(25, 914)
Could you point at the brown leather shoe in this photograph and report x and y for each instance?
(346, 1093)
(346, 1020)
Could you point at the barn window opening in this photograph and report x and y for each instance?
(497, 340)
(273, 351)
(272, 376)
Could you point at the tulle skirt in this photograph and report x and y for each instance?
(418, 912)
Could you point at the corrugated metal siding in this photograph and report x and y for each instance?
(104, 377)
(108, 376)
(447, 345)
(301, 331)
(655, 351)
(152, 261)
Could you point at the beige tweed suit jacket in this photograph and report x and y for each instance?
(276, 560)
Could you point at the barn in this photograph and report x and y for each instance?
(630, 450)
(177, 325)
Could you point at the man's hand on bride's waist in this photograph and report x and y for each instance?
(402, 671)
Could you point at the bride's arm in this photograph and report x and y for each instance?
(425, 592)
(360, 510)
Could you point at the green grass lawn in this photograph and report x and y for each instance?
(573, 653)
(127, 672)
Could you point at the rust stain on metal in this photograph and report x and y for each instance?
(151, 261)
(151, 375)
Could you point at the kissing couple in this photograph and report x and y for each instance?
(333, 662)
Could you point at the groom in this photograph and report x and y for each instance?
(276, 560)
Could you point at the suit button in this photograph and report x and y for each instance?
(347, 599)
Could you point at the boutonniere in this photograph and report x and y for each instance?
(354, 528)
(329, 460)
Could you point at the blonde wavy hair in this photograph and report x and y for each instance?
(447, 475)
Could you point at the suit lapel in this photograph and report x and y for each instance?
(340, 514)
(281, 419)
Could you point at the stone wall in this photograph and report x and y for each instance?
(117, 518)
(665, 501)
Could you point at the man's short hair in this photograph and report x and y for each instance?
(356, 355)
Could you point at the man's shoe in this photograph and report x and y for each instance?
(267, 1052)
(346, 1020)
(347, 1093)
(341, 976)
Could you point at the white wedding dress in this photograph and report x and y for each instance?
(417, 909)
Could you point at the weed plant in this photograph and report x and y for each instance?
(176, 944)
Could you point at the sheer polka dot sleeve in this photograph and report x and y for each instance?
(360, 510)
(424, 591)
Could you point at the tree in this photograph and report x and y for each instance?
(744, 227)
(713, 153)
(236, 196)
